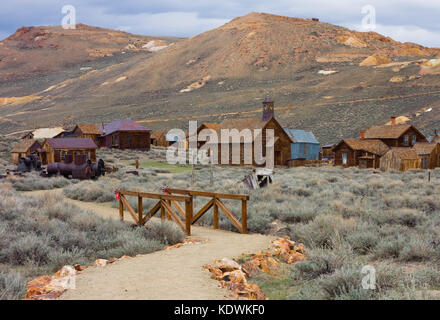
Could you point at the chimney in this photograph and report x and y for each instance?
(393, 121)
(268, 109)
(362, 135)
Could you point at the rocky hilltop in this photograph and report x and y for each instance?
(323, 77)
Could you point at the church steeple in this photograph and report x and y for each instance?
(268, 109)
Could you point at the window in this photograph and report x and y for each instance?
(406, 140)
(414, 140)
(344, 158)
(63, 155)
(115, 140)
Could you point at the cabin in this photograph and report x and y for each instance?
(87, 131)
(395, 135)
(125, 134)
(205, 126)
(23, 149)
(158, 138)
(304, 146)
(282, 143)
(429, 154)
(56, 149)
(362, 153)
(400, 159)
(43, 133)
(327, 152)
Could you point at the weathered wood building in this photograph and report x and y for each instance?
(395, 135)
(158, 139)
(362, 153)
(327, 152)
(125, 134)
(400, 159)
(87, 131)
(282, 141)
(24, 148)
(429, 154)
(56, 149)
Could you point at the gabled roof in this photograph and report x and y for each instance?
(157, 134)
(44, 133)
(435, 139)
(87, 128)
(405, 153)
(301, 136)
(24, 145)
(122, 125)
(331, 145)
(424, 147)
(373, 146)
(387, 131)
(71, 143)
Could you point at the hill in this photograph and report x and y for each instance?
(323, 77)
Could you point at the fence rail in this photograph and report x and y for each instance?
(170, 207)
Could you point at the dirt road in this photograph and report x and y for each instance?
(175, 274)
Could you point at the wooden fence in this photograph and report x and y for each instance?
(216, 204)
(183, 216)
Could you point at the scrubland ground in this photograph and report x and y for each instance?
(347, 219)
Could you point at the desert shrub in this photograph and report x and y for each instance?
(47, 233)
(417, 249)
(32, 181)
(12, 286)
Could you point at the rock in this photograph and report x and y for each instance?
(327, 72)
(196, 85)
(397, 79)
(120, 79)
(351, 41)
(375, 61)
(48, 288)
(100, 262)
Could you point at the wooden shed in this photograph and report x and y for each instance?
(362, 153)
(400, 159)
(125, 134)
(429, 154)
(327, 152)
(395, 135)
(56, 149)
(23, 149)
(87, 131)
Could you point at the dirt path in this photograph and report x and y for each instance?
(176, 274)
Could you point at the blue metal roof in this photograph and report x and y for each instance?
(301, 136)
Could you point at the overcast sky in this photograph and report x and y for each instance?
(404, 20)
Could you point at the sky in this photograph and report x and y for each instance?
(402, 20)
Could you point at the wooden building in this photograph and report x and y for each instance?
(304, 146)
(282, 143)
(43, 133)
(429, 154)
(87, 131)
(327, 152)
(125, 134)
(400, 159)
(395, 135)
(158, 139)
(362, 153)
(56, 149)
(23, 149)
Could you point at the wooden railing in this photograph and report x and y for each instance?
(216, 204)
(183, 217)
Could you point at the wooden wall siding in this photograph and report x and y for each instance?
(400, 142)
(351, 158)
(127, 140)
(94, 137)
(328, 153)
(55, 155)
(160, 142)
(391, 161)
(17, 155)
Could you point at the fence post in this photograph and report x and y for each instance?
(121, 209)
(244, 215)
(162, 210)
(215, 214)
(188, 216)
(140, 210)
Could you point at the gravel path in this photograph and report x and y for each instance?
(175, 274)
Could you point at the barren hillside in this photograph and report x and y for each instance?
(322, 77)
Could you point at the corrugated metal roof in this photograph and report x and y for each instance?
(122, 125)
(301, 136)
(44, 133)
(71, 143)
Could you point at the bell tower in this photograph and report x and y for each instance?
(268, 109)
